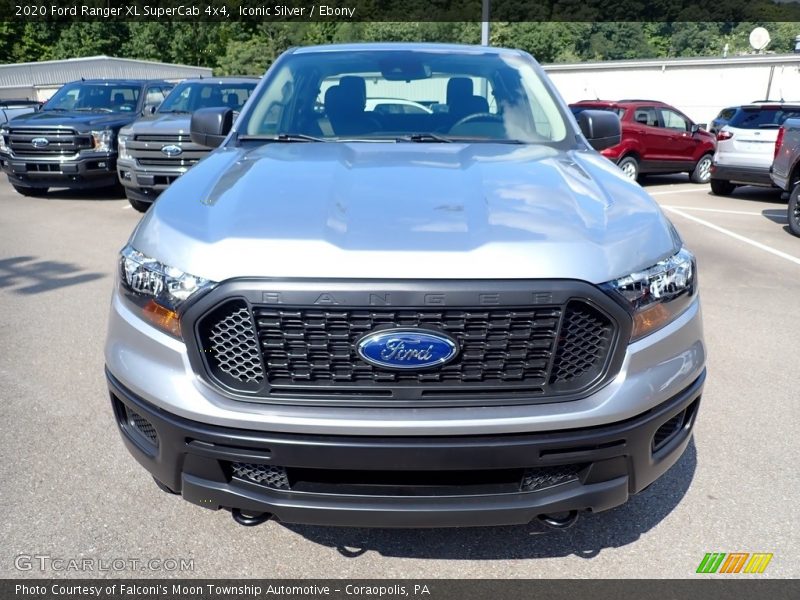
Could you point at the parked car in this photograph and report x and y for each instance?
(656, 138)
(10, 109)
(155, 150)
(72, 141)
(396, 106)
(448, 319)
(785, 171)
(745, 146)
(722, 119)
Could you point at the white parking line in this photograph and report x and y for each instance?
(736, 236)
(683, 191)
(766, 213)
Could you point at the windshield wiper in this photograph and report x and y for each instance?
(282, 137)
(93, 109)
(426, 137)
(175, 112)
(434, 137)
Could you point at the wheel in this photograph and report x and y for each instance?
(29, 191)
(702, 170)
(793, 212)
(720, 187)
(164, 488)
(139, 205)
(630, 167)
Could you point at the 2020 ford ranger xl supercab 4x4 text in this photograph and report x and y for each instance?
(458, 317)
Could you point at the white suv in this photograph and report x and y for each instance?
(745, 146)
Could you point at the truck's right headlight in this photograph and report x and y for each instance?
(122, 145)
(156, 289)
(658, 294)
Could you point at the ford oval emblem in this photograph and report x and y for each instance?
(172, 150)
(407, 348)
(40, 142)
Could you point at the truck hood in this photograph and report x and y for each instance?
(406, 211)
(80, 121)
(165, 123)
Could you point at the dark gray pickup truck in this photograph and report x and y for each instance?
(72, 141)
(785, 171)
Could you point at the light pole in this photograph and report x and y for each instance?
(485, 23)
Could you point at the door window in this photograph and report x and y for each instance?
(646, 115)
(673, 120)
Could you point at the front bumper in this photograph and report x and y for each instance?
(405, 481)
(742, 175)
(94, 170)
(146, 184)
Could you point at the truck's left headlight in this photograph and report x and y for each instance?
(103, 140)
(158, 290)
(3, 134)
(658, 294)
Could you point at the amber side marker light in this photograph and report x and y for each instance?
(163, 318)
(650, 319)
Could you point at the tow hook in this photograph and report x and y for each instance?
(249, 520)
(560, 522)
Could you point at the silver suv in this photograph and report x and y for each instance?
(458, 317)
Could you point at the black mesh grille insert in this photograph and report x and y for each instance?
(584, 340)
(266, 475)
(143, 426)
(232, 345)
(293, 352)
(545, 477)
(405, 483)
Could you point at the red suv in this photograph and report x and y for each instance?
(656, 138)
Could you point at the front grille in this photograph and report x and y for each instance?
(171, 162)
(60, 142)
(505, 352)
(142, 426)
(405, 483)
(146, 150)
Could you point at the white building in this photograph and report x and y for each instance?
(40, 80)
(699, 87)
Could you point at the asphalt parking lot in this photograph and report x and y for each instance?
(71, 490)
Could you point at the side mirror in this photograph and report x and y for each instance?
(601, 128)
(210, 126)
(698, 126)
(150, 109)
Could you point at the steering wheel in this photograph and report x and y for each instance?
(477, 117)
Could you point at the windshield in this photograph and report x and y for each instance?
(91, 97)
(429, 96)
(191, 95)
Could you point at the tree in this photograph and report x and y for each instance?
(90, 39)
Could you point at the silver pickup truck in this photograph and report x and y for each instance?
(455, 317)
(14, 108)
(155, 150)
(785, 171)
